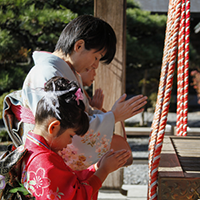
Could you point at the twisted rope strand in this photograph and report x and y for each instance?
(158, 129)
(180, 72)
(186, 68)
(157, 114)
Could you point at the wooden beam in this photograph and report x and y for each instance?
(111, 78)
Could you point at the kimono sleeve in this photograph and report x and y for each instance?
(94, 111)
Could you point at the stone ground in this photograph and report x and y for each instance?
(137, 173)
(135, 176)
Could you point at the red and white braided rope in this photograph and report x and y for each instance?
(157, 115)
(180, 72)
(183, 68)
(186, 68)
(164, 94)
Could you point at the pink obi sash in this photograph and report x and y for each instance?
(23, 114)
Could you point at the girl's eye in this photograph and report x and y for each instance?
(71, 136)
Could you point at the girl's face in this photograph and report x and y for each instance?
(88, 77)
(60, 142)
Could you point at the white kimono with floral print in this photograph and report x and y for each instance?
(83, 151)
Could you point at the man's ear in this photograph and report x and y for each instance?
(79, 45)
(54, 127)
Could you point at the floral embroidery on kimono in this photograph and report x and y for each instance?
(55, 195)
(37, 181)
(101, 144)
(73, 159)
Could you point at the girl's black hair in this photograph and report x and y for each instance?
(71, 114)
(96, 33)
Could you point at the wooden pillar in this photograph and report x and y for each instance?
(111, 78)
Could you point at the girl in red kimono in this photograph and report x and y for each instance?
(59, 116)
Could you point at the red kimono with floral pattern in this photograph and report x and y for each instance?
(46, 176)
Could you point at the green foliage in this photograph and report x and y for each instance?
(11, 76)
(145, 38)
(21, 189)
(25, 21)
(80, 7)
(145, 42)
(153, 99)
(4, 136)
(1, 102)
(27, 25)
(132, 4)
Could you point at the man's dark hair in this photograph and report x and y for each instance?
(96, 33)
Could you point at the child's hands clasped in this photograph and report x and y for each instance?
(113, 160)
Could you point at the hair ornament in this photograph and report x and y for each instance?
(51, 97)
(51, 100)
(79, 95)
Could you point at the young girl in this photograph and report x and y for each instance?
(59, 117)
